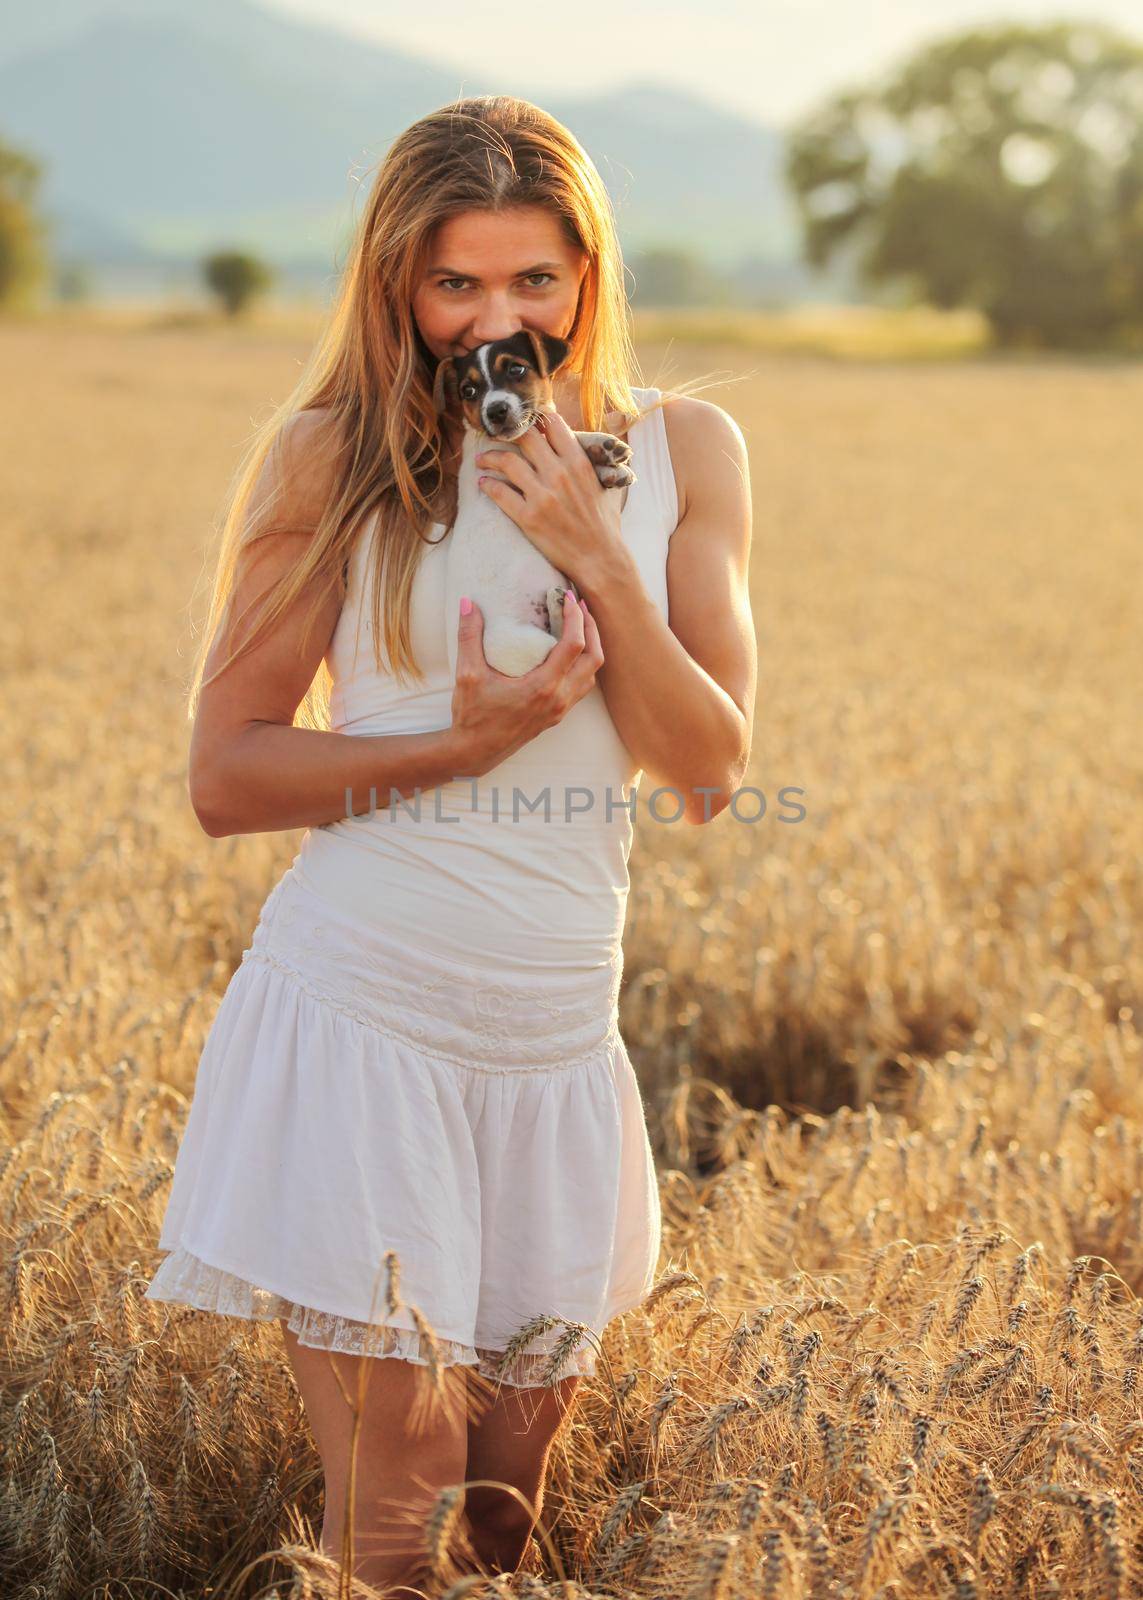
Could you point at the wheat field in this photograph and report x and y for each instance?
(890, 1052)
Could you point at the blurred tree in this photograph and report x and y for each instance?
(236, 277)
(74, 282)
(23, 235)
(1000, 169)
(667, 276)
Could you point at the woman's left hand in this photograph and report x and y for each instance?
(554, 496)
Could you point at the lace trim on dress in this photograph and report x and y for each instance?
(184, 1278)
(492, 996)
(469, 1016)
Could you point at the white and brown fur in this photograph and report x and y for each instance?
(499, 389)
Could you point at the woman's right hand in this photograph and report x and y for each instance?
(493, 714)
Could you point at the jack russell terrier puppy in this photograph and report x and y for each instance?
(501, 388)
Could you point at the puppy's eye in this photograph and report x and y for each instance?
(468, 391)
(517, 370)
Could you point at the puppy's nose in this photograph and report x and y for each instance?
(497, 411)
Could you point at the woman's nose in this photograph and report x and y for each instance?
(494, 331)
(497, 320)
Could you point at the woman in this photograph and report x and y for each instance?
(416, 1132)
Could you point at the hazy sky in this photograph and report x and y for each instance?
(768, 58)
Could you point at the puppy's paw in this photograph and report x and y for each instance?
(609, 456)
(554, 601)
(604, 449)
(616, 477)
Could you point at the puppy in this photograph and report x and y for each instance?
(500, 389)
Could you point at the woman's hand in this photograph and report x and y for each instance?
(554, 496)
(493, 714)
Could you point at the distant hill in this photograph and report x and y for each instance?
(169, 127)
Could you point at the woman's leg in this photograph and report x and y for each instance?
(511, 1442)
(409, 1446)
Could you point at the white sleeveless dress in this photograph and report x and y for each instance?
(420, 1053)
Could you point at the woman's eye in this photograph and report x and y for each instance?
(445, 283)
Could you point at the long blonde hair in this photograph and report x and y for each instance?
(373, 373)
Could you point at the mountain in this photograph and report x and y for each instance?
(183, 125)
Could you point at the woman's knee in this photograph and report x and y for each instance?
(382, 1411)
(501, 1513)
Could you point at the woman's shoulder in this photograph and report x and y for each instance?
(312, 439)
(302, 466)
(688, 416)
(697, 431)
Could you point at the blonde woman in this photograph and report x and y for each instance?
(416, 1134)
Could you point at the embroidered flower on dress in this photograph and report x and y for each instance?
(494, 1001)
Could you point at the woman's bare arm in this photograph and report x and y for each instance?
(250, 769)
(681, 692)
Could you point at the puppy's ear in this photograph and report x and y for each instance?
(444, 385)
(548, 352)
(555, 352)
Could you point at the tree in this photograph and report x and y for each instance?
(236, 278)
(23, 252)
(1000, 169)
(74, 282)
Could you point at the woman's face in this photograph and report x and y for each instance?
(489, 275)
